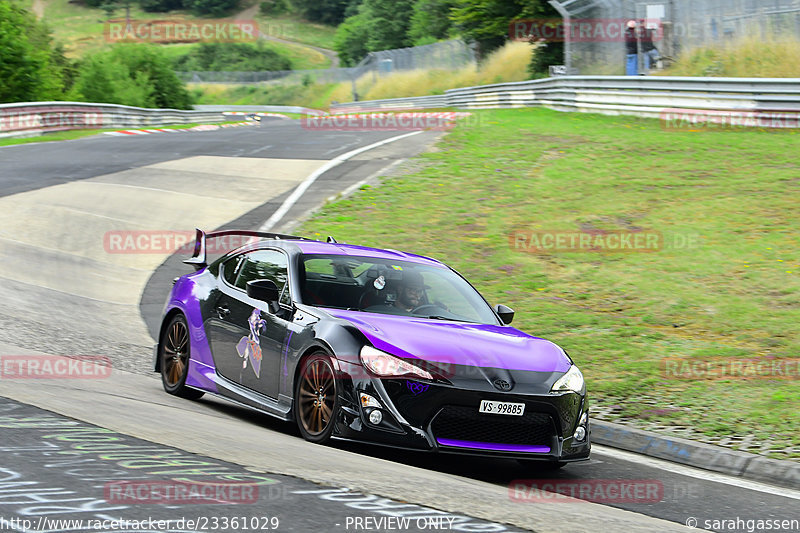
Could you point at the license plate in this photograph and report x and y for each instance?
(501, 408)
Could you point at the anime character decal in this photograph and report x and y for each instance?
(249, 347)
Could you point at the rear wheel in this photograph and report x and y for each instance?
(316, 401)
(173, 349)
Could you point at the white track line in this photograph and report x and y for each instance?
(303, 187)
(695, 472)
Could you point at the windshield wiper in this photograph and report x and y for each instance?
(451, 319)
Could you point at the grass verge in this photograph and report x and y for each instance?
(734, 295)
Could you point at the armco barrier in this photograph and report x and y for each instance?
(34, 118)
(652, 96)
(259, 109)
(419, 102)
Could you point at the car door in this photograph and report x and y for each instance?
(249, 336)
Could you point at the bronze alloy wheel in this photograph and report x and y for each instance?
(316, 398)
(174, 351)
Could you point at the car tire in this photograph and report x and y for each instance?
(175, 356)
(316, 394)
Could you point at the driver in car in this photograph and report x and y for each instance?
(410, 292)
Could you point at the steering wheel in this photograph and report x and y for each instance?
(433, 308)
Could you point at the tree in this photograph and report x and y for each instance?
(232, 57)
(387, 23)
(103, 79)
(325, 11)
(430, 21)
(30, 67)
(130, 74)
(350, 41)
(487, 21)
(161, 6)
(217, 8)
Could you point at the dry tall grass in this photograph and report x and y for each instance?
(750, 57)
(508, 63)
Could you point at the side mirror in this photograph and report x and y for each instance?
(506, 314)
(264, 290)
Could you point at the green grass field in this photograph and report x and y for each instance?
(733, 295)
(80, 29)
(292, 28)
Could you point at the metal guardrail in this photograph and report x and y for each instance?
(35, 118)
(420, 102)
(258, 109)
(749, 98)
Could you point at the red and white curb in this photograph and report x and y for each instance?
(201, 127)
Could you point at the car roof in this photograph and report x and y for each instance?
(328, 248)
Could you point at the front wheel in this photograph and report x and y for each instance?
(173, 349)
(316, 398)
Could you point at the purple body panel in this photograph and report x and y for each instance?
(438, 341)
(185, 295)
(315, 247)
(493, 446)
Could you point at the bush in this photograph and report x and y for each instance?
(273, 7)
(30, 67)
(430, 21)
(546, 54)
(232, 57)
(160, 6)
(350, 41)
(217, 8)
(325, 11)
(130, 74)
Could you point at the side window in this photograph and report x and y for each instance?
(265, 264)
(230, 268)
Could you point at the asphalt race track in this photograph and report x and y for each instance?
(67, 291)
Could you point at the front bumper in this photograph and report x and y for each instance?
(444, 418)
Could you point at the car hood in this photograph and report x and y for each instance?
(458, 343)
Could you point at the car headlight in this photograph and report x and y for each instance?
(383, 364)
(571, 381)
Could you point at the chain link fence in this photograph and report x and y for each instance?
(677, 25)
(446, 55)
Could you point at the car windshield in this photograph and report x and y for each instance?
(390, 287)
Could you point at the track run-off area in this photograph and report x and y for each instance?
(68, 289)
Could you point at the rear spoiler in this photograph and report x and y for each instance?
(198, 259)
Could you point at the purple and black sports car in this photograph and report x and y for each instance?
(371, 345)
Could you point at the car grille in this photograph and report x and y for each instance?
(467, 424)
